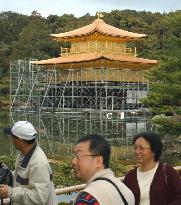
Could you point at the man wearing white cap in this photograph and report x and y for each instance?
(32, 182)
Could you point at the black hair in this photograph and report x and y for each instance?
(29, 141)
(98, 146)
(155, 143)
(26, 141)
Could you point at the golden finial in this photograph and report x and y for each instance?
(99, 15)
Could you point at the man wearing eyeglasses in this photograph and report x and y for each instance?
(32, 182)
(91, 166)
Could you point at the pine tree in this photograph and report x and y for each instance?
(164, 98)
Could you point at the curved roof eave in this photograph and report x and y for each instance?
(100, 26)
(92, 57)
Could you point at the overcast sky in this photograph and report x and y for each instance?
(81, 7)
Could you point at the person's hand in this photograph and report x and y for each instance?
(4, 191)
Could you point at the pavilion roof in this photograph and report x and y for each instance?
(95, 56)
(98, 26)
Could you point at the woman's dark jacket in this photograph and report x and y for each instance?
(162, 191)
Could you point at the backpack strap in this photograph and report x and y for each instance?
(108, 180)
(165, 174)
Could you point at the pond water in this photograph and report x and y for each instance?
(58, 132)
(66, 197)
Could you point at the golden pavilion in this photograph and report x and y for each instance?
(97, 71)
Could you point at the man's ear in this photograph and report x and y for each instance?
(99, 161)
(20, 141)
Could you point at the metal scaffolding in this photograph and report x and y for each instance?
(65, 104)
(34, 88)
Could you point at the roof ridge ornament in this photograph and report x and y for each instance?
(99, 15)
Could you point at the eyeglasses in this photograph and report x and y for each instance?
(78, 156)
(140, 148)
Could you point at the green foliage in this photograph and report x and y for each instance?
(164, 96)
(118, 168)
(8, 160)
(168, 125)
(63, 174)
(11, 25)
(34, 41)
(173, 159)
(4, 115)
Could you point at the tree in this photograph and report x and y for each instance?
(164, 97)
(34, 41)
(11, 24)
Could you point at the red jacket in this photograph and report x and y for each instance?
(160, 193)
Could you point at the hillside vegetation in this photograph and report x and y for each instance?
(28, 37)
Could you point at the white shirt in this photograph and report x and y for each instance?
(144, 181)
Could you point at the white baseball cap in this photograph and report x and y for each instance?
(22, 129)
